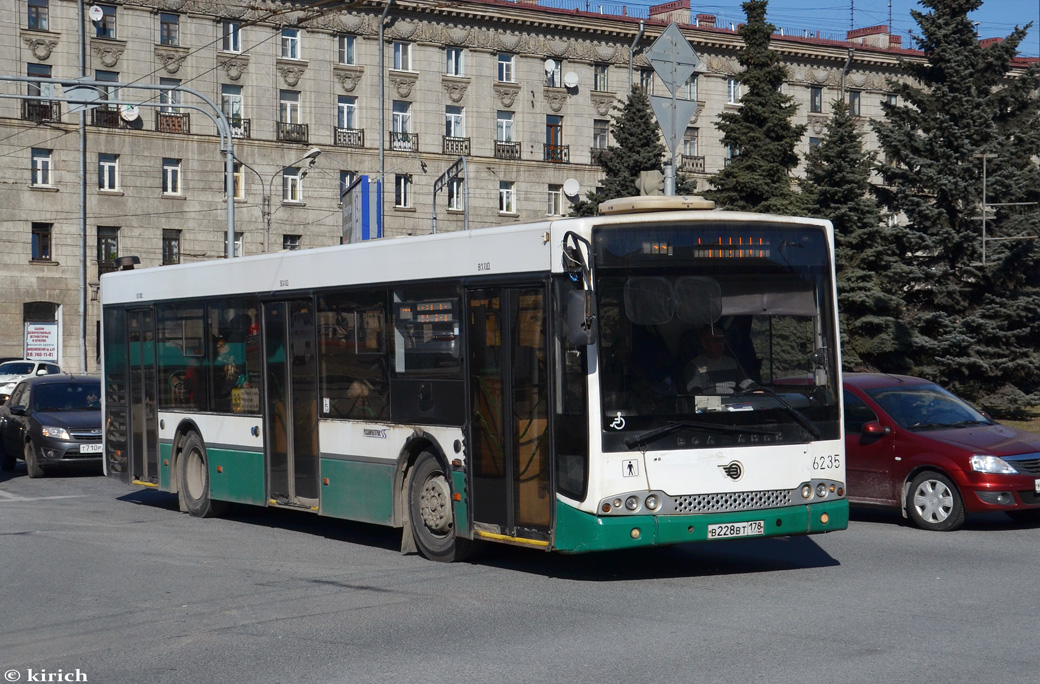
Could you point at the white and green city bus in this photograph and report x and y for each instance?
(527, 384)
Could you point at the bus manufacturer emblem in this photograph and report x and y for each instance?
(733, 470)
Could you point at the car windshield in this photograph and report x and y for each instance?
(920, 407)
(67, 396)
(702, 345)
(16, 368)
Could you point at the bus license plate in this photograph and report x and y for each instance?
(750, 528)
(90, 448)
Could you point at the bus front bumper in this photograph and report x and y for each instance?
(580, 532)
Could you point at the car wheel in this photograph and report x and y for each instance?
(431, 514)
(933, 503)
(31, 464)
(193, 474)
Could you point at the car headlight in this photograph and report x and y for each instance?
(56, 433)
(982, 463)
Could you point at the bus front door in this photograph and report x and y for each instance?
(291, 408)
(508, 437)
(141, 388)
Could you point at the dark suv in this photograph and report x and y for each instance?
(52, 420)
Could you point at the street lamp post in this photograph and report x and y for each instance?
(266, 212)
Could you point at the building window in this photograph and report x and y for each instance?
(290, 43)
(169, 96)
(171, 247)
(171, 176)
(731, 153)
(506, 197)
(690, 142)
(346, 50)
(554, 75)
(39, 71)
(454, 61)
(646, 81)
(107, 92)
(169, 28)
(290, 243)
(346, 179)
(239, 180)
(506, 70)
(600, 81)
(454, 122)
(504, 126)
(402, 190)
(346, 111)
(816, 99)
(892, 99)
(107, 248)
(288, 107)
(814, 142)
(854, 97)
(291, 184)
(455, 197)
(108, 172)
(401, 117)
(689, 89)
(41, 167)
(600, 134)
(231, 103)
(106, 26)
(231, 37)
(39, 15)
(733, 91)
(41, 241)
(402, 56)
(555, 206)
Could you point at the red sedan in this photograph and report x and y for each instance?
(913, 445)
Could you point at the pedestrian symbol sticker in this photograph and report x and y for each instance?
(630, 468)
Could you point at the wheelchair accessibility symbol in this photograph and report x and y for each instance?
(619, 422)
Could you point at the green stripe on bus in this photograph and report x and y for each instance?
(358, 491)
(241, 476)
(458, 483)
(166, 466)
(579, 532)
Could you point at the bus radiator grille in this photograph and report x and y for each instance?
(734, 501)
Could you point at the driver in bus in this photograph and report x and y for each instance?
(713, 371)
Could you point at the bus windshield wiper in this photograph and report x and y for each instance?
(675, 425)
(798, 416)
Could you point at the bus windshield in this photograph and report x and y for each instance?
(715, 335)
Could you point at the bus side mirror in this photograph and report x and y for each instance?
(580, 319)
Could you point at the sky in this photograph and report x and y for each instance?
(997, 18)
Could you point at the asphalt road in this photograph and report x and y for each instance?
(104, 583)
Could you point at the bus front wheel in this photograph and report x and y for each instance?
(193, 471)
(430, 512)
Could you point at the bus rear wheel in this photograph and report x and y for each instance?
(430, 512)
(193, 473)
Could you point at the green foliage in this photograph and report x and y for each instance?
(973, 325)
(639, 148)
(759, 177)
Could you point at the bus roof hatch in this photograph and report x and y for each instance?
(646, 203)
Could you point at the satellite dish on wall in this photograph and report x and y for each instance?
(550, 65)
(95, 13)
(571, 187)
(570, 79)
(129, 112)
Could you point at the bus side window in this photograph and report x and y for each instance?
(352, 353)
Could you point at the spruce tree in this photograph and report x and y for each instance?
(974, 325)
(760, 132)
(639, 148)
(838, 188)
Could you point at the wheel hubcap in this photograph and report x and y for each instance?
(195, 475)
(933, 501)
(435, 504)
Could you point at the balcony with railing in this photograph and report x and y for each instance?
(456, 147)
(292, 132)
(404, 142)
(507, 150)
(239, 128)
(691, 163)
(558, 154)
(105, 118)
(349, 137)
(172, 122)
(41, 110)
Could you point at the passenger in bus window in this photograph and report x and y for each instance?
(713, 371)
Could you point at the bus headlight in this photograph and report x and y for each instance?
(652, 502)
(821, 490)
(632, 503)
(806, 492)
